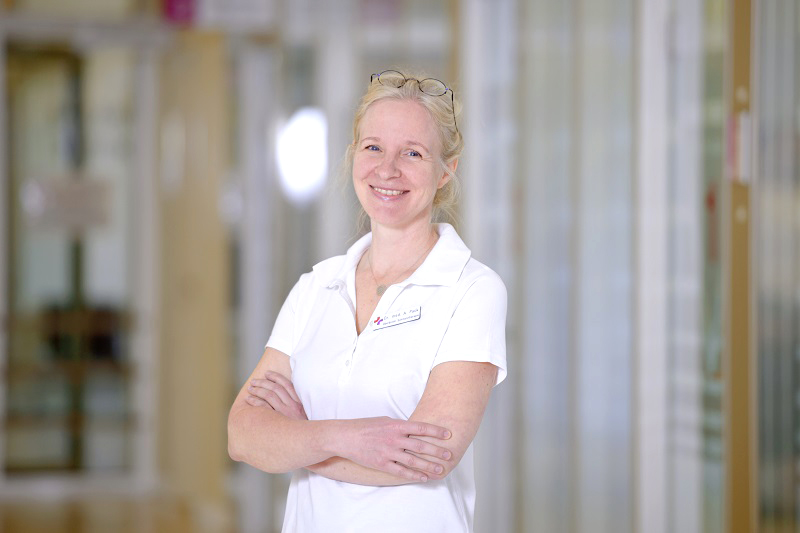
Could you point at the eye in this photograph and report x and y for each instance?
(414, 153)
(371, 148)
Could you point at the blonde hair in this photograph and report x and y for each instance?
(450, 140)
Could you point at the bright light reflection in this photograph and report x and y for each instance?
(303, 155)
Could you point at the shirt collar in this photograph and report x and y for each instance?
(443, 266)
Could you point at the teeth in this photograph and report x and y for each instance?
(388, 192)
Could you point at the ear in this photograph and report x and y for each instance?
(446, 176)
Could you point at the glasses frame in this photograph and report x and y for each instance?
(447, 89)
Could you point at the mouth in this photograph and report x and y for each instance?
(388, 192)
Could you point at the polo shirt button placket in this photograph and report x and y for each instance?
(345, 375)
(348, 363)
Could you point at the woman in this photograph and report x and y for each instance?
(381, 362)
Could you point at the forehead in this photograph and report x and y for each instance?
(404, 119)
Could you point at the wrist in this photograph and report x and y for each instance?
(331, 437)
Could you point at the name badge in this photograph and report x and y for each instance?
(397, 318)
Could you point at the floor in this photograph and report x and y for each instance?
(98, 516)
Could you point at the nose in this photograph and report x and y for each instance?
(388, 168)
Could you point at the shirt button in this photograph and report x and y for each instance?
(347, 363)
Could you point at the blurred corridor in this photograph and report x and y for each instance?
(168, 168)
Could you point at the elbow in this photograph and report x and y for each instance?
(234, 449)
(238, 452)
(242, 451)
(238, 448)
(233, 454)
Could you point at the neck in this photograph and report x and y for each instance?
(394, 249)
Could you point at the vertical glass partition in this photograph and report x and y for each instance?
(70, 229)
(687, 214)
(574, 144)
(777, 264)
(714, 31)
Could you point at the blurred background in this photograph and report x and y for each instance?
(169, 168)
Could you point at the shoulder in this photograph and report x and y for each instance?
(324, 274)
(454, 265)
(479, 291)
(328, 270)
(474, 270)
(334, 270)
(477, 276)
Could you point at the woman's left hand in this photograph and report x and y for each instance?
(276, 391)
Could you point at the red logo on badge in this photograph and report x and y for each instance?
(378, 321)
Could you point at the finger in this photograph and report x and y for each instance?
(427, 458)
(418, 463)
(285, 382)
(256, 402)
(394, 467)
(277, 391)
(422, 447)
(426, 430)
(267, 396)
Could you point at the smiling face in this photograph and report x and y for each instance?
(396, 169)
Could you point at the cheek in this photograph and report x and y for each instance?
(360, 167)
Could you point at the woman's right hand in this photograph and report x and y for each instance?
(389, 445)
(276, 391)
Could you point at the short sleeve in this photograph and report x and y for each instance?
(477, 329)
(282, 337)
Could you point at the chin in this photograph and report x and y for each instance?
(397, 222)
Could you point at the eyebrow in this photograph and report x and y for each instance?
(415, 143)
(410, 143)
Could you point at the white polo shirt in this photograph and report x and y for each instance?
(452, 308)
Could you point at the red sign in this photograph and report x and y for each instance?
(180, 11)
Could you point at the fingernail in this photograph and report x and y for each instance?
(438, 469)
(424, 479)
(447, 434)
(446, 455)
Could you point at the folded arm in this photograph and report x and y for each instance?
(276, 441)
(455, 397)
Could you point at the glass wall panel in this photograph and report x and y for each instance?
(575, 149)
(547, 123)
(92, 9)
(70, 243)
(603, 249)
(777, 264)
(714, 38)
(685, 297)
